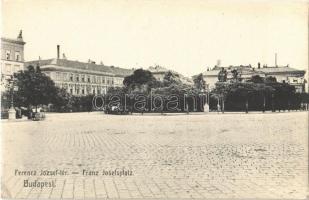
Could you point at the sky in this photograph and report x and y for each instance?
(185, 36)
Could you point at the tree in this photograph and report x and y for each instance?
(236, 75)
(282, 95)
(220, 93)
(270, 79)
(199, 82)
(222, 75)
(244, 90)
(256, 79)
(34, 88)
(63, 100)
(171, 78)
(262, 88)
(140, 78)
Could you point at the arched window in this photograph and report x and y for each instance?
(17, 56)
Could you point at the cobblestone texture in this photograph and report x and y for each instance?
(173, 156)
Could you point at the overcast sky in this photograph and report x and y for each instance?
(186, 36)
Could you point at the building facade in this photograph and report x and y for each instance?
(283, 74)
(80, 78)
(12, 57)
(286, 74)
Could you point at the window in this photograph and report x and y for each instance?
(83, 91)
(71, 91)
(16, 68)
(93, 91)
(8, 55)
(77, 78)
(57, 76)
(83, 78)
(17, 56)
(88, 79)
(8, 68)
(99, 91)
(103, 79)
(61, 77)
(77, 91)
(65, 76)
(71, 77)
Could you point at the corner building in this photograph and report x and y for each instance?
(12, 57)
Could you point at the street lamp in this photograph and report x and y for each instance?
(12, 112)
(264, 102)
(205, 95)
(272, 103)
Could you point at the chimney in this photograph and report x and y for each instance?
(219, 63)
(276, 60)
(259, 65)
(58, 51)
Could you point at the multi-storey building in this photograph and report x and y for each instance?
(286, 74)
(283, 74)
(81, 78)
(12, 57)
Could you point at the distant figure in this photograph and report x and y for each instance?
(218, 107)
(187, 108)
(206, 108)
(35, 110)
(114, 108)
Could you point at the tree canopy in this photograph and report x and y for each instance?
(171, 78)
(139, 76)
(199, 82)
(222, 75)
(34, 88)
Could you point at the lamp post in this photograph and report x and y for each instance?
(12, 112)
(247, 102)
(208, 96)
(205, 94)
(264, 102)
(272, 103)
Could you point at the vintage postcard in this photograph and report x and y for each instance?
(163, 99)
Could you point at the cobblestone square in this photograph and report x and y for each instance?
(175, 156)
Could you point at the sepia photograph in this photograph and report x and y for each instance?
(154, 99)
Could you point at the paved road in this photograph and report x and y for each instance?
(173, 156)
